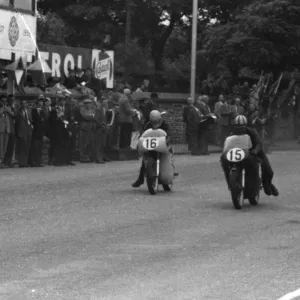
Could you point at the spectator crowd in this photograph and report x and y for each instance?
(65, 124)
(201, 118)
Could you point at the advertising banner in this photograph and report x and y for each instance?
(17, 35)
(60, 59)
(103, 66)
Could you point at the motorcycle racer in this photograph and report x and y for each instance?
(240, 128)
(156, 122)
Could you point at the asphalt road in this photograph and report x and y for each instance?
(82, 233)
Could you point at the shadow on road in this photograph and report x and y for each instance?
(261, 207)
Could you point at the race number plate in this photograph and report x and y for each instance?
(235, 155)
(150, 143)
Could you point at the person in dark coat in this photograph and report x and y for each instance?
(191, 118)
(48, 107)
(38, 123)
(23, 131)
(87, 128)
(204, 125)
(113, 125)
(60, 134)
(10, 111)
(100, 132)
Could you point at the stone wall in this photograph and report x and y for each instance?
(174, 119)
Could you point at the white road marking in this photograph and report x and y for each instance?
(291, 295)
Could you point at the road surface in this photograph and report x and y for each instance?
(82, 233)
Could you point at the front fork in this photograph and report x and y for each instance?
(156, 161)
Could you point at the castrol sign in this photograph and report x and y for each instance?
(103, 66)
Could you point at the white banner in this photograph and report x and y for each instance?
(103, 66)
(17, 35)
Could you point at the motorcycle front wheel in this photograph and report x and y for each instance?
(236, 190)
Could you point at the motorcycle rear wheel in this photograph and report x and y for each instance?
(167, 188)
(236, 190)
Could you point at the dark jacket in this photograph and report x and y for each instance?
(38, 122)
(125, 110)
(23, 126)
(11, 118)
(204, 108)
(205, 120)
(47, 127)
(257, 145)
(191, 118)
(100, 118)
(59, 132)
(147, 108)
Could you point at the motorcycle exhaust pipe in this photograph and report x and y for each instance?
(157, 172)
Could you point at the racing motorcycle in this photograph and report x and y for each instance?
(244, 170)
(157, 159)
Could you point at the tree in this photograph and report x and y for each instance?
(264, 35)
(51, 29)
(95, 23)
(138, 60)
(163, 26)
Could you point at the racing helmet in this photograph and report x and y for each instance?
(155, 118)
(239, 125)
(240, 121)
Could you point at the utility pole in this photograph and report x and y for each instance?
(194, 49)
(127, 33)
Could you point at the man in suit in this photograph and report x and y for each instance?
(126, 113)
(4, 127)
(10, 112)
(205, 124)
(23, 133)
(87, 128)
(237, 108)
(48, 130)
(100, 134)
(61, 134)
(191, 118)
(226, 114)
(217, 110)
(38, 123)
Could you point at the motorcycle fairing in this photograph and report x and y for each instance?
(237, 141)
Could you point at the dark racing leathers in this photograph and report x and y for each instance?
(164, 126)
(256, 150)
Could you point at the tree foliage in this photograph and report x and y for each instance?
(52, 29)
(264, 35)
(138, 59)
(247, 36)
